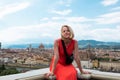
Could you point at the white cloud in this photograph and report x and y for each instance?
(12, 8)
(106, 34)
(109, 2)
(64, 12)
(51, 30)
(110, 18)
(81, 30)
(46, 35)
(77, 19)
(116, 8)
(44, 19)
(65, 2)
(50, 24)
(88, 31)
(10, 35)
(20, 33)
(71, 19)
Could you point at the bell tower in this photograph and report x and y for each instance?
(0, 45)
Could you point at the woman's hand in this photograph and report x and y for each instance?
(49, 74)
(85, 72)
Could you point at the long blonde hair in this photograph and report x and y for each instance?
(71, 31)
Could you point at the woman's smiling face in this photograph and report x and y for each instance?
(65, 32)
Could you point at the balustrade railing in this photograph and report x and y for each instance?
(39, 75)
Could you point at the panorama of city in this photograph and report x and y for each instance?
(20, 60)
(28, 29)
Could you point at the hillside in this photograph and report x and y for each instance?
(81, 43)
(98, 44)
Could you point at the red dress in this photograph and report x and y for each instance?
(62, 70)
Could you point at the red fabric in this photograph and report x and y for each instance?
(63, 71)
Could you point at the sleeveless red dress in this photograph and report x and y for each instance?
(62, 70)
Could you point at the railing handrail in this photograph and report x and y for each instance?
(39, 74)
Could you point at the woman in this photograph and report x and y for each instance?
(58, 66)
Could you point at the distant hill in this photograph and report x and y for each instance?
(81, 43)
(98, 44)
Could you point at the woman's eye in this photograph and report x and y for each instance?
(63, 31)
(66, 31)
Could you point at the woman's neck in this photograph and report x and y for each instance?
(67, 41)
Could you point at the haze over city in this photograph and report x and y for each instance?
(29, 21)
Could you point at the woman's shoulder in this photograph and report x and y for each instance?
(58, 40)
(74, 40)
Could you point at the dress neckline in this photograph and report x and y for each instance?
(67, 45)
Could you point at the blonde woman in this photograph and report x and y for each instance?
(58, 66)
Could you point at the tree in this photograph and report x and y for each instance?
(9, 71)
(2, 67)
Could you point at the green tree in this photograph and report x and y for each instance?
(2, 67)
(9, 71)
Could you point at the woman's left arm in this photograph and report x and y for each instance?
(77, 59)
(76, 56)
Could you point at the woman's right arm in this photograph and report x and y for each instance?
(55, 60)
(56, 56)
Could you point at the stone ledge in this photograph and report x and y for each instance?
(104, 77)
(38, 75)
(41, 77)
(82, 76)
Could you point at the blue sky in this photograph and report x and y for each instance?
(39, 21)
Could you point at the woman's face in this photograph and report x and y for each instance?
(65, 32)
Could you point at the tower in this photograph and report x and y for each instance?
(89, 51)
(30, 48)
(0, 45)
(41, 46)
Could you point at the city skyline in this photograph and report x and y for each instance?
(29, 21)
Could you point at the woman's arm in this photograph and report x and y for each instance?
(56, 56)
(77, 58)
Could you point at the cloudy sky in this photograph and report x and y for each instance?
(31, 21)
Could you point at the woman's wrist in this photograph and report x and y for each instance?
(81, 70)
(52, 71)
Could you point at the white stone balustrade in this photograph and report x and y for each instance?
(38, 75)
